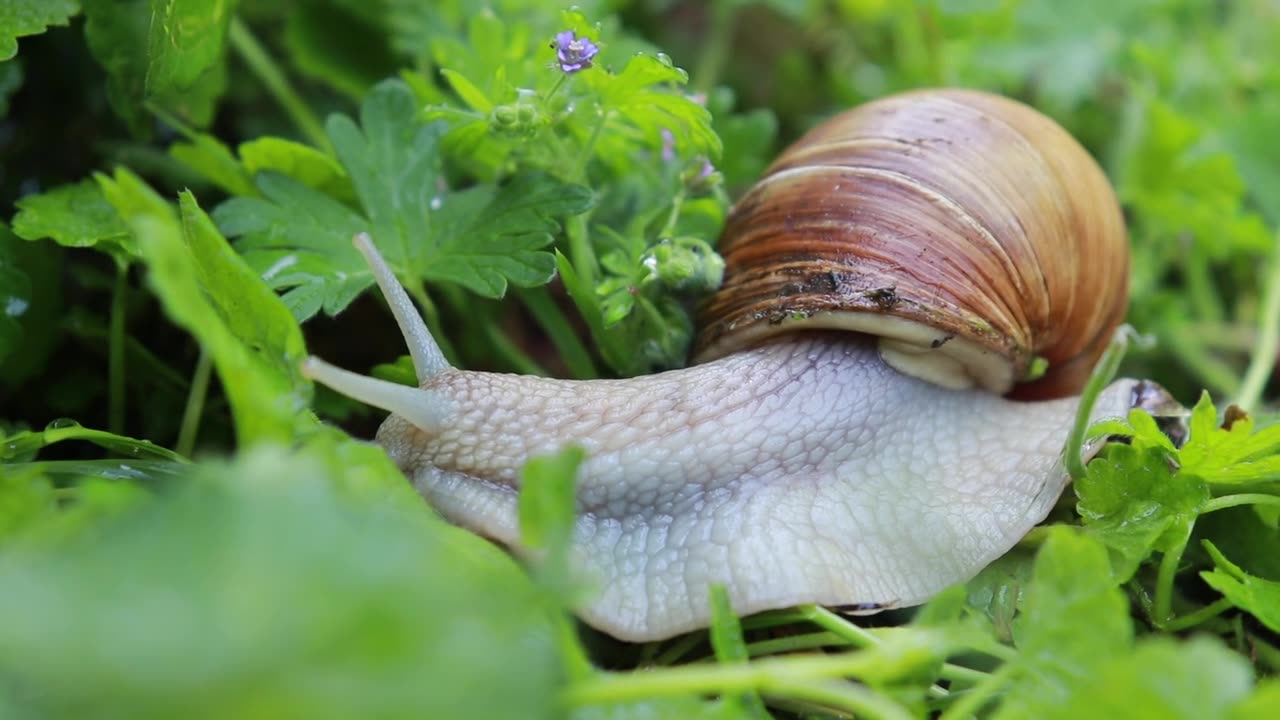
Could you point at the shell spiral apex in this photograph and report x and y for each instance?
(969, 232)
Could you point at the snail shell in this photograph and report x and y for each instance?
(967, 231)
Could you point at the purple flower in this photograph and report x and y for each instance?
(668, 145)
(572, 52)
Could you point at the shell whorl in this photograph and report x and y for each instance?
(968, 231)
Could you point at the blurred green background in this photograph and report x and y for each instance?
(1178, 100)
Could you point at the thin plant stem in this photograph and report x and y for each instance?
(1238, 499)
(277, 85)
(761, 676)
(1190, 620)
(542, 306)
(581, 254)
(519, 360)
(679, 649)
(1162, 607)
(555, 88)
(715, 50)
(1098, 380)
(1216, 374)
(587, 150)
(1263, 361)
(862, 638)
(115, 351)
(792, 643)
(972, 701)
(842, 695)
(195, 405)
(677, 204)
(1205, 298)
(431, 316)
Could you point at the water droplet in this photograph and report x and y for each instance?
(16, 306)
(61, 423)
(437, 202)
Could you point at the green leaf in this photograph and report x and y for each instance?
(1162, 680)
(1229, 456)
(256, 346)
(303, 602)
(299, 239)
(483, 237)
(1073, 618)
(730, 647)
(487, 238)
(1133, 503)
(160, 51)
(303, 163)
(75, 215)
(26, 497)
(1260, 598)
(547, 508)
(473, 96)
(187, 42)
(1263, 704)
(211, 158)
(547, 512)
(30, 17)
(24, 444)
(643, 96)
(392, 161)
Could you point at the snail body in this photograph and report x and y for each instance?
(844, 438)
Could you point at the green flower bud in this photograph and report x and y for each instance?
(685, 265)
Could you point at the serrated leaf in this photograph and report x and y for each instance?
(482, 238)
(1073, 618)
(639, 94)
(298, 239)
(1133, 503)
(487, 238)
(204, 286)
(75, 215)
(1258, 597)
(19, 18)
(393, 163)
(1234, 455)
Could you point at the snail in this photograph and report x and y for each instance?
(866, 421)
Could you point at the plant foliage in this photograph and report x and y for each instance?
(184, 531)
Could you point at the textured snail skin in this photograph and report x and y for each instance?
(804, 471)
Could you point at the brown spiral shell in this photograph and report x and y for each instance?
(968, 231)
